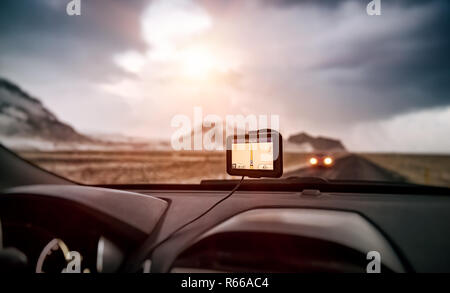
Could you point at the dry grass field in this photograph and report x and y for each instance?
(122, 167)
(416, 168)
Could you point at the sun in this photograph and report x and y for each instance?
(197, 62)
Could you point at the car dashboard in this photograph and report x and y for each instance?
(132, 230)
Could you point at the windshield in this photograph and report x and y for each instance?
(133, 92)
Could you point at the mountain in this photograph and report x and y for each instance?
(23, 116)
(319, 143)
(301, 142)
(207, 135)
(26, 124)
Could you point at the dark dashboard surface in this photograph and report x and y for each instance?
(413, 224)
(409, 227)
(304, 224)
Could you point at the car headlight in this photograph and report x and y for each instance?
(313, 161)
(328, 161)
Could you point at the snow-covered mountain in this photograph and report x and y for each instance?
(23, 116)
(26, 124)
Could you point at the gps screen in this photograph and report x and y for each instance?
(254, 155)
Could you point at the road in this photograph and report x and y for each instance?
(350, 167)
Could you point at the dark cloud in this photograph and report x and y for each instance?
(336, 3)
(113, 21)
(357, 77)
(43, 30)
(400, 72)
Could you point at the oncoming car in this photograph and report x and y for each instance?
(321, 160)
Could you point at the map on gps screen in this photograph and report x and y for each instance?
(258, 156)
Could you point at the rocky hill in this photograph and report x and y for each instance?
(318, 143)
(26, 124)
(23, 116)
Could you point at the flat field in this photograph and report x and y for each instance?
(142, 167)
(124, 167)
(416, 168)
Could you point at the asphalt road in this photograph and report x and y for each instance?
(350, 167)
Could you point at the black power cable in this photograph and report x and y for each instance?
(202, 214)
(131, 267)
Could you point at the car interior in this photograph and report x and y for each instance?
(210, 136)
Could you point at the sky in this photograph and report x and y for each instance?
(378, 83)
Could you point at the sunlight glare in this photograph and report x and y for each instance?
(197, 62)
